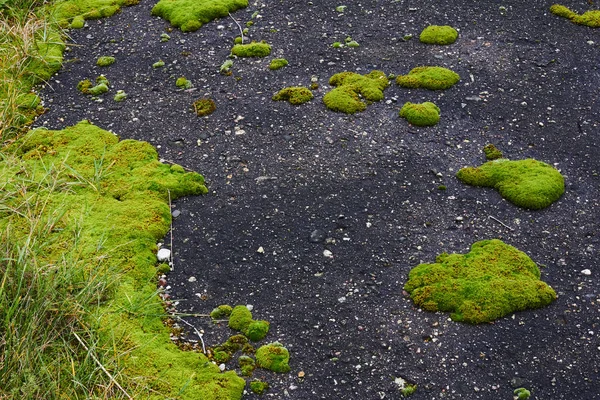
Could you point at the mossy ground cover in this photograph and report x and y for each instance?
(433, 78)
(73, 13)
(529, 183)
(190, 15)
(113, 197)
(421, 114)
(295, 95)
(589, 18)
(351, 88)
(492, 280)
(254, 49)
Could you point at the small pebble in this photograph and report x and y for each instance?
(586, 272)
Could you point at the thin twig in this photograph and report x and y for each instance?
(197, 333)
(239, 26)
(500, 222)
(172, 251)
(101, 366)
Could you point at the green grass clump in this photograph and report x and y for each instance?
(351, 88)
(436, 34)
(295, 95)
(105, 61)
(254, 49)
(82, 261)
(433, 78)
(274, 357)
(72, 13)
(421, 114)
(183, 83)
(492, 280)
(491, 152)
(526, 183)
(278, 63)
(190, 15)
(259, 387)
(589, 18)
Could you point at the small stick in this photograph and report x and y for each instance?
(171, 229)
(101, 366)
(239, 26)
(197, 333)
(500, 222)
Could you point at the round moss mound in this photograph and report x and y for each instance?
(278, 63)
(491, 152)
(274, 357)
(433, 78)
(183, 83)
(436, 34)
(421, 114)
(589, 18)
(492, 280)
(240, 318)
(254, 49)
(350, 87)
(526, 183)
(257, 330)
(222, 311)
(105, 61)
(204, 107)
(295, 95)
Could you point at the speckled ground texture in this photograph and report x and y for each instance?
(369, 184)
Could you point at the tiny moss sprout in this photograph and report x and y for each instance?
(158, 64)
(433, 78)
(421, 114)
(435, 34)
(226, 67)
(85, 86)
(492, 280)
(190, 15)
(353, 43)
(254, 49)
(340, 9)
(529, 183)
(337, 45)
(120, 96)
(183, 83)
(105, 61)
(351, 88)
(522, 394)
(278, 63)
(204, 107)
(164, 37)
(295, 95)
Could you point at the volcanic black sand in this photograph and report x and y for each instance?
(368, 184)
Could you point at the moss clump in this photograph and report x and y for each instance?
(254, 49)
(491, 152)
(204, 107)
(350, 87)
(120, 96)
(421, 114)
(247, 365)
(526, 183)
(190, 15)
(337, 45)
(183, 83)
(240, 318)
(274, 357)
(492, 280)
(158, 64)
(164, 37)
(589, 18)
(72, 13)
(77, 23)
(408, 390)
(436, 34)
(259, 387)
(522, 393)
(278, 63)
(296, 95)
(221, 312)
(84, 86)
(257, 330)
(433, 78)
(352, 43)
(105, 61)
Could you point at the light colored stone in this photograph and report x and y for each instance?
(163, 255)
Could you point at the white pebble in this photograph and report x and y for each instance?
(163, 255)
(586, 272)
(192, 279)
(327, 253)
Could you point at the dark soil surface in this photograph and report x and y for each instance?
(368, 184)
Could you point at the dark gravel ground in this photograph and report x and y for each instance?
(369, 184)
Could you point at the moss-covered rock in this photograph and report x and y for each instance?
(295, 95)
(105, 61)
(350, 86)
(421, 114)
(589, 18)
(526, 183)
(436, 34)
(274, 357)
(492, 280)
(240, 318)
(254, 49)
(433, 78)
(204, 107)
(190, 15)
(278, 63)
(491, 152)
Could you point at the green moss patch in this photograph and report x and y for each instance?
(491, 152)
(436, 34)
(433, 78)
(254, 49)
(492, 280)
(421, 114)
(295, 95)
(86, 87)
(113, 197)
(589, 18)
(183, 83)
(105, 61)
(221, 312)
(120, 96)
(72, 13)
(259, 387)
(204, 107)
(278, 63)
(241, 320)
(351, 88)
(274, 357)
(526, 183)
(190, 15)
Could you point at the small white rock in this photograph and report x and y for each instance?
(260, 250)
(163, 255)
(192, 279)
(327, 253)
(250, 307)
(586, 272)
(222, 367)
